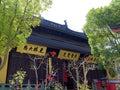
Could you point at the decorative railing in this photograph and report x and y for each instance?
(24, 87)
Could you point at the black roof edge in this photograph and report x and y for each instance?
(57, 44)
(115, 26)
(61, 28)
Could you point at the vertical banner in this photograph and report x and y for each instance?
(3, 71)
(64, 75)
(50, 65)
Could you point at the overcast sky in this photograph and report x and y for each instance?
(73, 11)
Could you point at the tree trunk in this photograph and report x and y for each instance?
(77, 79)
(46, 83)
(84, 72)
(5, 55)
(36, 75)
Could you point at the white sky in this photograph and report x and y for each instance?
(73, 11)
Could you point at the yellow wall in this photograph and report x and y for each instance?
(109, 76)
(3, 72)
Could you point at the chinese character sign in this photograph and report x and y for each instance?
(32, 49)
(64, 54)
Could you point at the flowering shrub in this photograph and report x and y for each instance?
(17, 81)
(58, 86)
(84, 87)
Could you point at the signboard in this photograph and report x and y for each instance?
(3, 71)
(91, 59)
(32, 49)
(91, 66)
(69, 55)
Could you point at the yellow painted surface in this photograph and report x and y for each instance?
(3, 72)
(69, 55)
(109, 77)
(32, 49)
(50, 65)
(91, 59)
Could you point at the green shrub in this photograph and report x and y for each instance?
(17, 81)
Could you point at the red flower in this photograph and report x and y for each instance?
(49, 78)
(53, 53)
(88, 58)
(37, 86)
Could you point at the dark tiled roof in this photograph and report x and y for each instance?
(57, 44)
(115, 26)
(43, 35)
(61, 28)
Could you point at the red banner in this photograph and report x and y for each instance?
(64, 75)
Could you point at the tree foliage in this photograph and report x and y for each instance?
(16, 19)
(17, 80)
(103, 42)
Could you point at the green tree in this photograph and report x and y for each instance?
(16, 19)
(103, 42)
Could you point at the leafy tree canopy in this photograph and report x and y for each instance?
(103, 42)
(16, 19)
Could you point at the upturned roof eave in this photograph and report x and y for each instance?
(57, 44)
(61, 28)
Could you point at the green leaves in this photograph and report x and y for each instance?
(17, 81)
(103, 42)
(112, 72)
(16, 19)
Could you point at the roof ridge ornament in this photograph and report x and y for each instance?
(65, 21)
